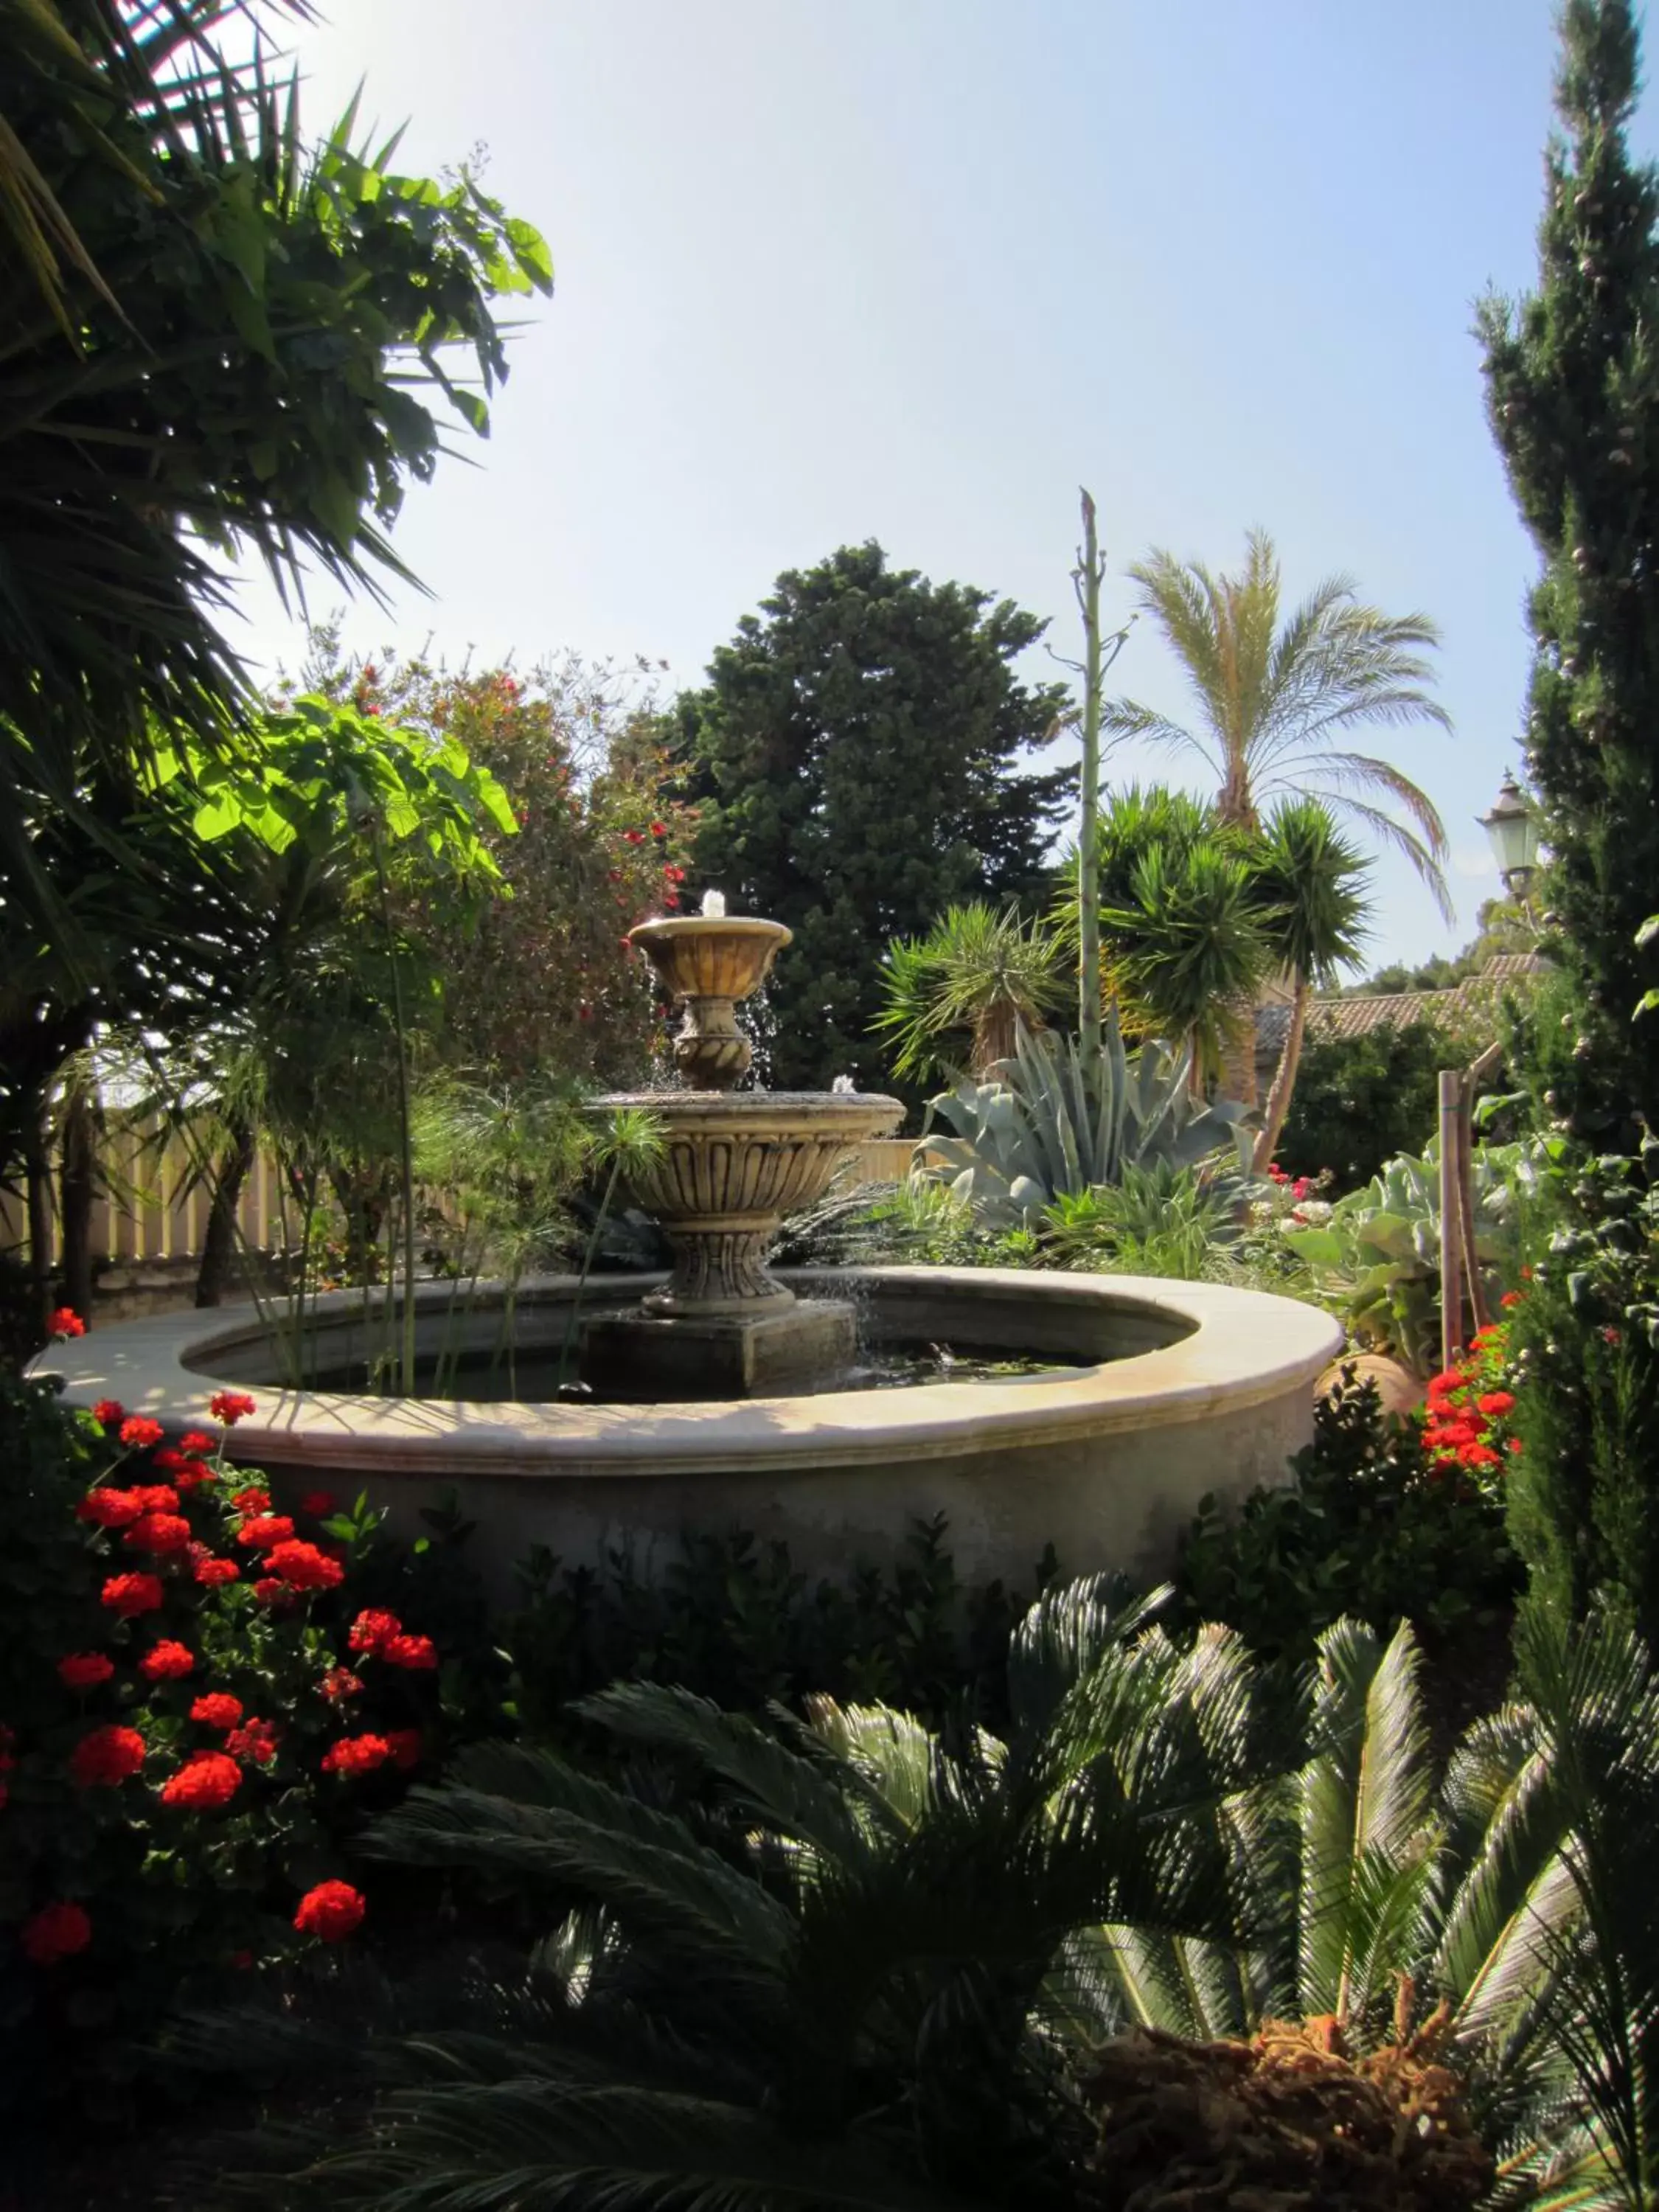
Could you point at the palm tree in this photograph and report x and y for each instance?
(1310, 877)
(1276, 702)
(977, 973)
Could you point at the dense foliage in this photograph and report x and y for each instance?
(1584, 1511)
(1575, 410)
(1376, 1525)
(1360, 1100)
(856, 751)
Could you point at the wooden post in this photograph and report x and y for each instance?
(1451, 1215)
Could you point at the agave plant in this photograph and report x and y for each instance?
(1053, 1122)
(1377, 1252)
(1156, 1220)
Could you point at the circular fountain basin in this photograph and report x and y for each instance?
(1168, 1391)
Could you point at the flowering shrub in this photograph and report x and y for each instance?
(177, 1778)
(1466, 1428)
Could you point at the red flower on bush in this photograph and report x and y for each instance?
(251, 1500)
(331, 1912)
(231, 1407)
(303, 1567)
(212, 1572)
(109, 1413)
(372, 1630)
(257, 1741)
(357, 1754)
(109, 1509)
(319, 1503)
(139, 1431)
(264, 1529)
(1496, 1402)
(1509, 1298)
(166, 1662)
(55, 1932)
(340, 1682)
(217, 1708)
(197, 1441)
(66, 1322)
(207, 1781)
(192, 1473)
(106, 1757)
(634, 836)
(158, 1532)
(84, 1670)
(272, 1590)
(131, 1594)
(406, 1747)
(415, 1652)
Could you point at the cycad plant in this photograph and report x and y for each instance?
(880, 1967)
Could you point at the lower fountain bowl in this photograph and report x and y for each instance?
(1173, 1390)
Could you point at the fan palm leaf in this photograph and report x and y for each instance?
(1275, 698)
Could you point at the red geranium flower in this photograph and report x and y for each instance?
(166, 1660)
(84, 1670)
(139, 1431)
(413, 1652)
(195, 1441)
(106, 1757)
(257, 1741)
(129, 1595)
(319, 1503)
(1509, 1298)
(272, 1590)
(66, 1322)
(251, 1500)
(215, 1571)
(158, 1532)
(372, 1630)
(206, 1781)
(331, 1911)
(406, 1747)
(357, 1754)
(217, 1708)
(1496, 1402)
(192, 1473)
(340, 1682)
(304, 1567)
(109, 1413)
(55, 1932)
(264, 1528)
(231, 1407)
(109, 1509)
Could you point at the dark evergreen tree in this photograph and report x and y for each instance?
(855, 752)
(1573, 387)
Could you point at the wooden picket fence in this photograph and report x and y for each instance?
(149, 1208)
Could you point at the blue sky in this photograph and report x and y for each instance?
(915, 270)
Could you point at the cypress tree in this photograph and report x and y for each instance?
(855, 752)
(1573, 391)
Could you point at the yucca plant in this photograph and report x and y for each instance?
(959, 993)
(1052, 1122)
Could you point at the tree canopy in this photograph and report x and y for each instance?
(856, 751)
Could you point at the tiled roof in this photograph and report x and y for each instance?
(1467, 1004)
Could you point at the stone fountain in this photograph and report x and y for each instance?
(732, 1164)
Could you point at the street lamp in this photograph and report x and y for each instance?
(1511, 829)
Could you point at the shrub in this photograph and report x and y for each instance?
(180, 1666)
(1360, 1100)
(736, 1621)
(1375, 1525)
(1584, 1511)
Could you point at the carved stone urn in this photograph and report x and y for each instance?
(733, 1163)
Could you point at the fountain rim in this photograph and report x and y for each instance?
(1242, 1348)
(671, 926)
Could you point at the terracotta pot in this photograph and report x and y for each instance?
(1400, 1390)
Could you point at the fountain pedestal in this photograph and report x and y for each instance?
(731, 1165)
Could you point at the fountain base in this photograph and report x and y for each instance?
(645, 1358)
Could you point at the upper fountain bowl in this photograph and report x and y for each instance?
(711, 956)
(708, 962)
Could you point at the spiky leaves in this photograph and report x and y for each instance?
(960, 992)
(1277, 702)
